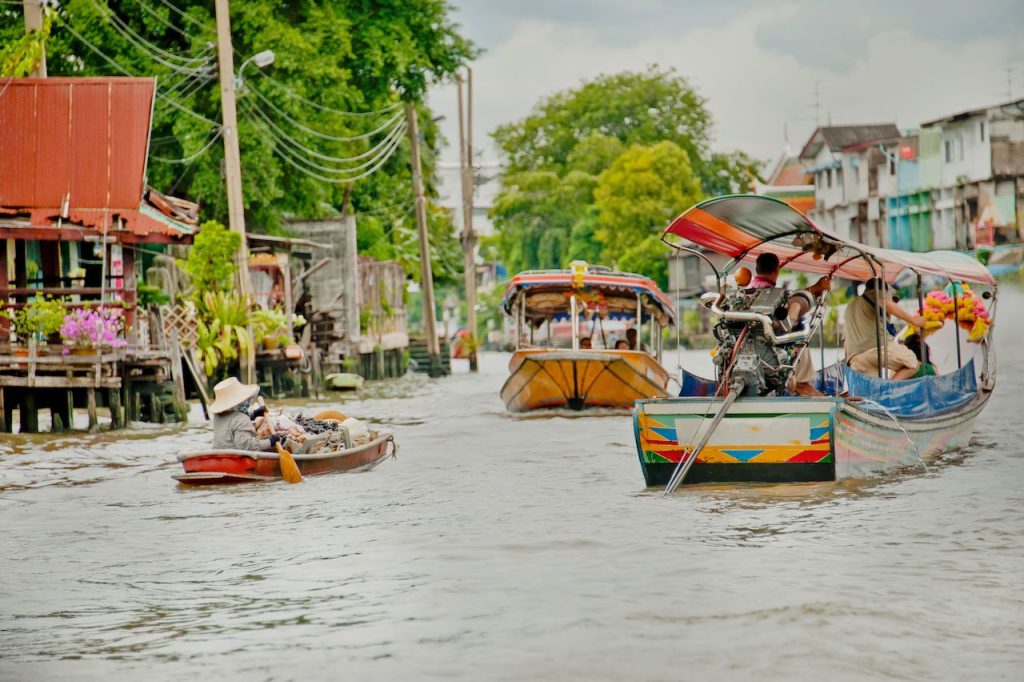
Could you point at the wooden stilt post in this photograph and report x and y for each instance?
(29, 413)
(178, 375)
(90, 404)
(3, 413)
(116, 414)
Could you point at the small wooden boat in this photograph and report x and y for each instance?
(237, 466)
(543, 375)
(743, 426)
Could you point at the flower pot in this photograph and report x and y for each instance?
(21, 352)
(271, 342)
(75, 350)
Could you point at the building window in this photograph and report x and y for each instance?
(949, 150)
(981, 130)
(830, 175)
(960, 147)
(892, 165)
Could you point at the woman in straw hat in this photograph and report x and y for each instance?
(232, 423)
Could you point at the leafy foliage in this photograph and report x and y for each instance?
(211, 264)
(345, 55)
(643, 189)
(20, 56)
(645, 138)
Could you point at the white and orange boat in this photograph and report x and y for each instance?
(559, 371)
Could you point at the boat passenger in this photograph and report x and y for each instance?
(632, 343)
(767, 267)
(862, 333)
(232, 422)
(586, 343)
(622, 344)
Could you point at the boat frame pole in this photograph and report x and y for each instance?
(574, 325)
(639, 320)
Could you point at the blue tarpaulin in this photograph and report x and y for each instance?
(923, 397)
(693, 386)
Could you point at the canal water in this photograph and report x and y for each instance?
(504, 548)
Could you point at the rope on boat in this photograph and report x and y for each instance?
(883, 408)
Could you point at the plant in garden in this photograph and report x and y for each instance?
(270, 323)
(40, 317)
(211, 263)
(93, 328)
(222, 324)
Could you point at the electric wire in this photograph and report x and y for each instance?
(159, 17)
(317, 133)
(322, 107)
(182, 13)
(286, 138)
(299, 158)
(154, 52)
(126, 72)
(281, 152)
(192, 157)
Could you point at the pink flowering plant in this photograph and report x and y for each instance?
(93, 328)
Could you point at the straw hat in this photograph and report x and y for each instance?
(231, 393)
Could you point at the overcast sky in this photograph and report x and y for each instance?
(755, 62)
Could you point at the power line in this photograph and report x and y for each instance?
(291, 93)
(126, 72)
(182, 13)
(312, 152)
(159, 17)
(317, 133)
(154, 52)
(192, 157)
(282, 153)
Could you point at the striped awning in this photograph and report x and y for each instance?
(563, 281)
(746, 226)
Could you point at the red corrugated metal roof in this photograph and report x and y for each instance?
(83, 140)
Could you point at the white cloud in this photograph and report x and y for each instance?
(753, 91)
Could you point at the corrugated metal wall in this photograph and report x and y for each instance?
(81, 138)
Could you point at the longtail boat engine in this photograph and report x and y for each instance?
(756, 347)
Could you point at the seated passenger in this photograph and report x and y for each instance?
(767, 267)
(232, 423)
(864, 328)
(585, 343)
(622, 344)
(632, 343)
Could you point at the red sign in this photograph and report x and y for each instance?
(907, 152)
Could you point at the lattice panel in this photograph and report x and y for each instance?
(183, 319)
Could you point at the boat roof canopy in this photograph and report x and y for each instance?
(745, 226)
(610, 294)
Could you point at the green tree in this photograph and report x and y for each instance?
(636, 197)
(537, 211)
(585, 130)
(339, 55)
(211, 265)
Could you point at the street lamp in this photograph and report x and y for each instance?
(260, 59)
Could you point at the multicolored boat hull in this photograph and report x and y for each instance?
(790, 439)
(760, 439)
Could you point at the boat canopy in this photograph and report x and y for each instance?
(598, 291)
(745, 226)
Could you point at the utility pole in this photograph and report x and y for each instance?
(468, 190)
(34, 22)
(426, 273)
(232, 157)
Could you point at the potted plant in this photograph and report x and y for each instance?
(38, 319)
(86, 330)
(270, 327)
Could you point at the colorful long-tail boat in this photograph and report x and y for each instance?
(744, 425)
(544, 375)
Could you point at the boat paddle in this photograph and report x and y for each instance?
(289, 469)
